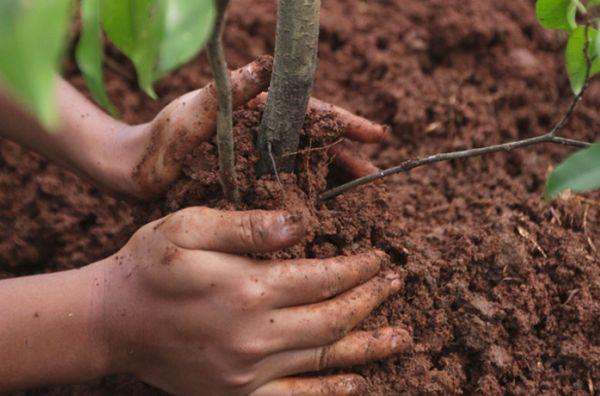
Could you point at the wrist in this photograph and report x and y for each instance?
(114, 315)
(103, 362)
(111, 161)
(49, 330)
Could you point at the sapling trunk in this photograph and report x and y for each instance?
(216, 57)
(291, 84)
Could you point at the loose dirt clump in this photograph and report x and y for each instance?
(502, 290)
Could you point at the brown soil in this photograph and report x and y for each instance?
(502, 291)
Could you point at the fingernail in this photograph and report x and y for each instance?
(396, 282)
(355, 386)
(387, 133)
(293, 224)
(400, 341)
(391, 275)
(396, 285)
(380, 254)
(292, 218)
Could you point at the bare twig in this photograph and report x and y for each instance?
(585, 230)
(411, 164)
(216, 57)
(527, 235)
(587, 200)
(312, 149)
(274, 164)
(549, 137)
(570, 296)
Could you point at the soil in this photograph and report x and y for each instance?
(502, 290)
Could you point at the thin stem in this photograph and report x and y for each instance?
(313, 149)
(560, 124)
(549, 137)
(411, 164)
(216, 57)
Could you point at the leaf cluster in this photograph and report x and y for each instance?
(581, 171)
(156, 35)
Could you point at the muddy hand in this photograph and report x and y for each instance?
(191, 119)
(356, 129)
(184, 311)
(184, 123)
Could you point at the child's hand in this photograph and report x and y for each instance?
(143, 160)
(163, 143)
(184, 310)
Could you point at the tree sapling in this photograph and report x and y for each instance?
(291, 84)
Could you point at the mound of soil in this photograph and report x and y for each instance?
(502, 290)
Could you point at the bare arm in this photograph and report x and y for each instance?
(183, 309)
(141, 161)
(87, 140)
(47, 330)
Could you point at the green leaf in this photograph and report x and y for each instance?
(580, 173)
(188, 26)
(557, 14)
(575, 58)
(32, 40)
(136, 27)
(89, 53)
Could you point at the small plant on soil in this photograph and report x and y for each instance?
(159, 36)
(581, 171)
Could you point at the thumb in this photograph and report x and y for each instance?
(196, 111)
(238, 232)
(186, 122)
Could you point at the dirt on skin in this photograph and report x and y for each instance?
(502, 290)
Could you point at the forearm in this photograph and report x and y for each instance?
(86, 140)
(49, 332)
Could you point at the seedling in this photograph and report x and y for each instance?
(581, 171)
(160, 35)
(216, 57)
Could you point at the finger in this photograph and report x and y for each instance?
(197, 111)
(355, 349)
(355, 127)
(252, 231)
(349, 159)
(334, 385)
(323, 323)
(306, 281)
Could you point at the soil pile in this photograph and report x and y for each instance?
(502, 291)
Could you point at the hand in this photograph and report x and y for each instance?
(143, 160)
(191, 119)
(184, 311)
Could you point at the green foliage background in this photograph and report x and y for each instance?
(581, 171)
(157, 35)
